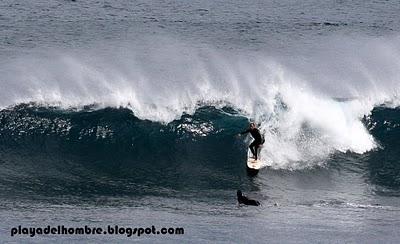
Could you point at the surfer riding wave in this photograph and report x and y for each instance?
(258, 139)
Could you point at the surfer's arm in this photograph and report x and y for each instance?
(244, 132)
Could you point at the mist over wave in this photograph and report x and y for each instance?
(307, 106)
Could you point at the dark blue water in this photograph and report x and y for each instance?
(127, 113)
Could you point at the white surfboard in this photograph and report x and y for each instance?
(254, 164)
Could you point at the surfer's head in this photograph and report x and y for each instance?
(252, 125)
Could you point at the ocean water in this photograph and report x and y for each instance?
(126, 113)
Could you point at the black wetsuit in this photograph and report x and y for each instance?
(258, 140)
(245, 200)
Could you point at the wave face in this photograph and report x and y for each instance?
(111, 151)
(383, 165)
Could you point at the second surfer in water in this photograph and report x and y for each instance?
(258, 139)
